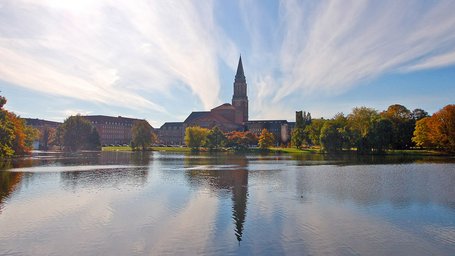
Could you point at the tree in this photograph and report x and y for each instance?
(438, 130)
(359, 123)
(418, 114)
(298, 137)
(241, 140)
(24, 135)
(313, 131)
(380, 134)
(422, 133)
(331, 138)
(141, 133)
(93, 140)
(403, 125)
(266, 139)
(6, 131)
(195, 137)
(16, 138)
(76, 133)
(442, 128)
(215, 139)
(47, 137)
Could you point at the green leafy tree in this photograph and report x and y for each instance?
(313, 131)
(403, 125)
(331, 138)
(216, 139)
(93, 141)
(141, 135)
(266, 139)
(418, 114)
(76, 133)
(359, 124)
(298, 137)
(195, 137)
(380, 134)
(31, 134)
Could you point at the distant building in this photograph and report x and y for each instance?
(113, 130)
(171, 133)
(228, 117)
(40, 124)
(279, 128)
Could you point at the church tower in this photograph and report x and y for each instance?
(240, 98)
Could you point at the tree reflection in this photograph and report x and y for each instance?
(223, 172)
(134, 174)
(9, 181)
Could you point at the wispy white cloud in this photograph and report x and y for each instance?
(112, 51)
(329, 47)
(347, 42)
(134, 54)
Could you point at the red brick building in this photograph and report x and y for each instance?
(228, 117)
(113, 130)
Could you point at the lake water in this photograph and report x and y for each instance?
(121, 203)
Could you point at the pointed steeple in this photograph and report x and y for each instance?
(240, 76)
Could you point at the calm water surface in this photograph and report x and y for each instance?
(120, 203)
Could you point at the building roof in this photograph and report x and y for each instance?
(171, 124)
(224, 106)
(266, 121)
(240, 75)
(41, 122)
(101, 118)
(196, 115)
(112, 119)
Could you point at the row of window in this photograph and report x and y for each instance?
(114, 123)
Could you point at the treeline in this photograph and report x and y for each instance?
(367, 130)
(215, 139)
(16, 138)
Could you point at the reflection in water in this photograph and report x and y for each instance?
(171, 203)
(136, 175)
(234, 179)
(9, 181)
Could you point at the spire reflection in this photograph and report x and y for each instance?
(223, 172)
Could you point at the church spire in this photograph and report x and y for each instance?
(240, 76)
(240, 98)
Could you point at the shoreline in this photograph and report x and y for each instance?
(406, 152)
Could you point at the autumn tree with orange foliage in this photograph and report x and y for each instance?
(438, 130)
(241, 140)
(16, 138)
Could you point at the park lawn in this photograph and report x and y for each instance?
(172, 149)
(293, 150)
(116, 148)
(127, 148)
(420, 152)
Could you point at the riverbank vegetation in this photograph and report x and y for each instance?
(368, 131)
(16, 138)
(77, 133)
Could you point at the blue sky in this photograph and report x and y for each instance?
(160, 60)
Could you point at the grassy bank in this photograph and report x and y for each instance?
(410, 152)
(127, 148)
